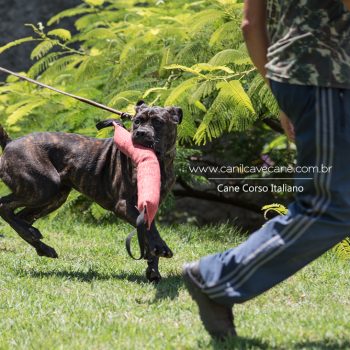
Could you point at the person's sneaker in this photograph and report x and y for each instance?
(217, 318)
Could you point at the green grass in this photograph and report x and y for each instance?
(95, 297)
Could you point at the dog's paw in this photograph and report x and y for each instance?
(167, 252)
(45, 250)
(153, 276)
(160, 249)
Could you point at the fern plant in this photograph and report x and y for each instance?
(343, 249)
(168, 52)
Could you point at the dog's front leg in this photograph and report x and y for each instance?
(155, 246)
(152, 271)
(154, 242)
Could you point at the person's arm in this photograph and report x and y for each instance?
(255, 35)
(347, 4)
(255, 32)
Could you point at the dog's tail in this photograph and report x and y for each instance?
(4, 138)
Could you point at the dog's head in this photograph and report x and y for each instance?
(156, 127)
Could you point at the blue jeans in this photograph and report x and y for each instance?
(318, 218)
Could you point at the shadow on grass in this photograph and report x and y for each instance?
(239, 343)
(327, 344)
(243, 343)
(167, 288)
(85, 276)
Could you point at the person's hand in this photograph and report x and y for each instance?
(287, 126)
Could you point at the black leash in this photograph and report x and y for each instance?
(79, 98)
(141, 232)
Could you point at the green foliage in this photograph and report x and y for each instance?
(218, 117)
(343, 249)
(181, 165)
(63, 34)
(275, 207)
(126, 50)
(15, 43)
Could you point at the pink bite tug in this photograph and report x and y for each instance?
(148, 172)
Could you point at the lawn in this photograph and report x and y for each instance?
(95, 297)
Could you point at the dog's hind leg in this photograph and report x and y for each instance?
(30, 215)
(29, 233)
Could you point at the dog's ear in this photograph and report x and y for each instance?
(176, 114)
(140, 105)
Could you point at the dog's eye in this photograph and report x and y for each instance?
(157, 122)
(137, 122)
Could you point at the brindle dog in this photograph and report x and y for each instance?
(42, 168)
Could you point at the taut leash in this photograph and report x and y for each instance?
(79, 98)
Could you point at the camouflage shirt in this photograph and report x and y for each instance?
(309, 42)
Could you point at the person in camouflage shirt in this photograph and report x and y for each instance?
(309, 42)
(302, 48)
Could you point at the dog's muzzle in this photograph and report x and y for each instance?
(143, 138)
